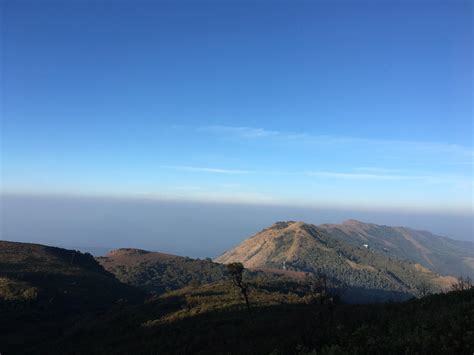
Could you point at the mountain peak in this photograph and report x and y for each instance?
(358, 253)
(282, 242)
(283, 224)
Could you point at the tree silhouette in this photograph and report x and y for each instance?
(462, 284)
(236, 271)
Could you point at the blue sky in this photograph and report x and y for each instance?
(360, 104)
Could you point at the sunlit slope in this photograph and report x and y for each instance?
(304, 247)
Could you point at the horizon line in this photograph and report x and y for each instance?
(228, 200)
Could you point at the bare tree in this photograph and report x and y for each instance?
(462, 284)
(236, 271)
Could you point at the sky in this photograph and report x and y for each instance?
(359, 105)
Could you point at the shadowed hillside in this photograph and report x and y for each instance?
(56, 276)
(212, 319)
(53, 287)
(158, 272)
(440, 254)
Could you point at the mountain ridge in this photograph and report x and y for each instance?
(441, 254)
(299, 246)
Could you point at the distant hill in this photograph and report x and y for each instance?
(158, 272)
(440, 254)
(304, 247)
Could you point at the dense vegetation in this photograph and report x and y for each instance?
(157, 272)
(44, 290)
(213, 319)
(56, 277)
(440, 254)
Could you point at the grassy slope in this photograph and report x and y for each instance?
(212, 319)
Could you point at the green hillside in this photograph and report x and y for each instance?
(440, 254)
(158, 272)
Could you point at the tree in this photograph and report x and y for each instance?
(462, 284)
(236, 271)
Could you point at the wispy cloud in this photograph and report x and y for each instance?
(242, 132)
(371, 174)
(429, 179)
(371, 169)
(433, 148)
(358, 176)
(413, 146)
(205, 169)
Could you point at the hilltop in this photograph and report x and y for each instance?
(299, 246)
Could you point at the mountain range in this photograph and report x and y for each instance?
(442, 255)
(302, 247)
(375, 262)
(57, 301)
(288, 242)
